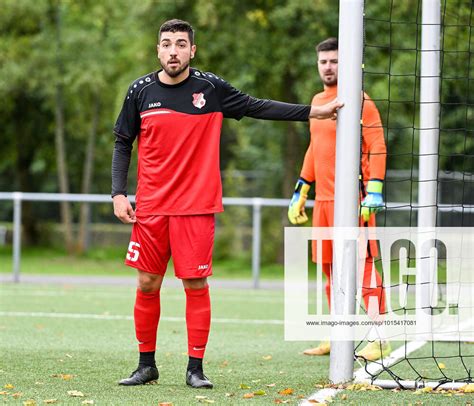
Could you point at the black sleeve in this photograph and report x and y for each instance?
(128, 122)
(126, 130)
(120, 163)
(275, 110)
(236, 104)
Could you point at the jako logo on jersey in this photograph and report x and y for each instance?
(151, 105)
(202, 267)
(198, 100)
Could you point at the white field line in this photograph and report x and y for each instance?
(173, 296)
(361, 375)
(321, 396)
(91, 316)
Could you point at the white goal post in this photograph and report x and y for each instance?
(344, 274)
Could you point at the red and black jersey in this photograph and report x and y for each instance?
(178, 129)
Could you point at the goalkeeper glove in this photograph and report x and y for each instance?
(296, 213)
(373, 202)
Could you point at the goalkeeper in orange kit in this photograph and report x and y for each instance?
(319, 167)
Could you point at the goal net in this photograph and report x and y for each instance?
(419, 70)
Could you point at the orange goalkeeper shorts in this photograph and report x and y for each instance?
(323, 216)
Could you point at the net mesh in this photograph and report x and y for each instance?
(392, 61)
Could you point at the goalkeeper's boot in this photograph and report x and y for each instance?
(375, 350)
(141, 376)
(196, 379)
(324, 348)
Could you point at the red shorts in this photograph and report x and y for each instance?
(323, 216)
(189, 239)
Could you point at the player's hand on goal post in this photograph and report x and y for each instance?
(328, 110)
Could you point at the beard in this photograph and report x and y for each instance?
(332, 81)
(174, 72)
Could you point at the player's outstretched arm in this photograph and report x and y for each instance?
(123, 210)
(328, 110)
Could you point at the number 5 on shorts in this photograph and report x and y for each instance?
(133, 254)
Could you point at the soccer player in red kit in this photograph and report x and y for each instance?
(176, 115)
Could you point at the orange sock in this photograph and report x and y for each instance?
(377, 291)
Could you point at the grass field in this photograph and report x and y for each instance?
(56, 339)
(109, 261)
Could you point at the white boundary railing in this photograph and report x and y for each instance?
(255, 202)
(18, 197)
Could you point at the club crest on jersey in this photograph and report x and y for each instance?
(198, 100)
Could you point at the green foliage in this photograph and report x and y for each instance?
(264, 47)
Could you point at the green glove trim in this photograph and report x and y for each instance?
(374, 186)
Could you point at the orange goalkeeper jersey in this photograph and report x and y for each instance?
(320, 160)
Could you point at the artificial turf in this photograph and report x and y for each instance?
(56, 339)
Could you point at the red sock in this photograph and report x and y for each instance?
(146, 315)
(198, 320)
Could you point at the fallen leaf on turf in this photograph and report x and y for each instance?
(260, 393)
(469, 388)
(281, 401)
(244, 386)
(228, 395)
(270, 385)
(315, 402)
(344, 397)
(75, 393)
(29, 402)
(3, 392)
(49, 401)
(441, 365)
(17, 395)
(87, 402)
(200, 397)
(224, 363)
(248, 396)
(165, 404)
(267, 357)
(363, 387)
(68, 355)
(8, 386)
(256, 380)
(424, 390)
(207, 401)
(65, 377)
(287, 391)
